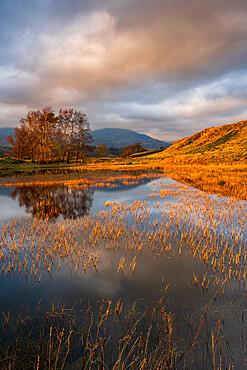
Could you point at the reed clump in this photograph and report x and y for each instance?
(177, 222)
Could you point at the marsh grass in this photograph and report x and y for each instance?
(177, 222)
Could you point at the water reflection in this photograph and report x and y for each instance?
(38, 275)
(73, 200)
(54, 200)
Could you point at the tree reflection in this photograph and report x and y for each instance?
(54, 200)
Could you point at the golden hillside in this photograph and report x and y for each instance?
(226, 143)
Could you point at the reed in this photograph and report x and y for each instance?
(177, 222)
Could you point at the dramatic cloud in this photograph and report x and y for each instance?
(167, 68)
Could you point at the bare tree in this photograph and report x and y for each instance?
(75, 133)
(83, 135)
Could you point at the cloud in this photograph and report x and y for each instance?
(177, 65)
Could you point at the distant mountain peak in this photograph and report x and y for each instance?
(119, 138)
(4, 132)
(111, 137)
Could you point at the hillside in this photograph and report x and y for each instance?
(4, 132)
(116, 137)
(111, 137)
(2, 140)
(226, 143)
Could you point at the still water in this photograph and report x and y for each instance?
(176, 279)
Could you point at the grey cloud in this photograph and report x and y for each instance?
(174, 64)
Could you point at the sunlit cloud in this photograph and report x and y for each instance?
(165, 68)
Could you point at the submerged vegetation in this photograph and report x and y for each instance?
(158, 282)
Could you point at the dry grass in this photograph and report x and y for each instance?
(224, 144)
(190, 224)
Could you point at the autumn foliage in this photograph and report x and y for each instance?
(44, 137)
(132, 149)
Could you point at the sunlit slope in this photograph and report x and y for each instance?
(217, 144)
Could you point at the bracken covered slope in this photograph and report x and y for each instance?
(226, 143)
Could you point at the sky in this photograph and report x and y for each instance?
(166, 68)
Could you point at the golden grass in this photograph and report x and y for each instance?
(224, 144)
(191, 224)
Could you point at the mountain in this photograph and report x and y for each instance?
(226, 143)
(118, 137)
(4, 132)
(111, 137)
